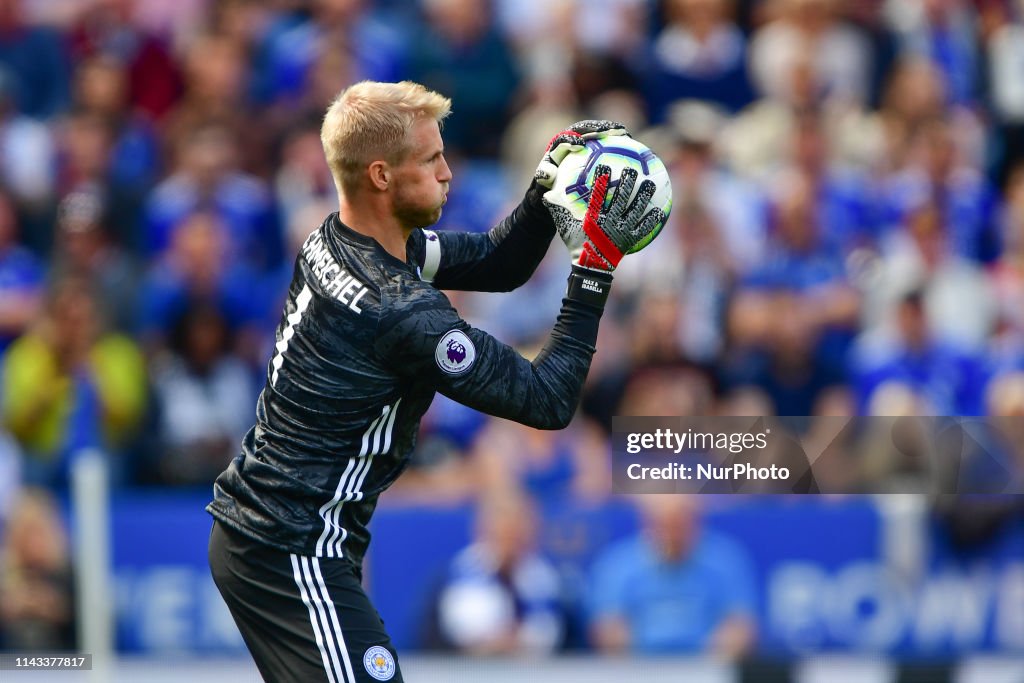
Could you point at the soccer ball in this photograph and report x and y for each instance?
(575, 177)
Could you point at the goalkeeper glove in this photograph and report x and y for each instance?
(609, 229)
(569, 140)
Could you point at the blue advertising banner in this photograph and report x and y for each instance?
(822, 581)
(166, 599)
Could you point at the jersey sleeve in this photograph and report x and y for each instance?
(496, 261)
(422, 337)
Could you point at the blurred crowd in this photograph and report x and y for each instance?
(847, 235)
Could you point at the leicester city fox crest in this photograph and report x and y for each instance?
(455, 352)
(379, 663)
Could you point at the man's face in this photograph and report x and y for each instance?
(671, 526)
(421, 179)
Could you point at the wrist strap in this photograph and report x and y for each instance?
(589, 286)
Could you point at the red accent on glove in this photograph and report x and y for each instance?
(594, 233)
(589, 258)
(573, 133)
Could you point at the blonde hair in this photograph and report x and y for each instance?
(370, 121)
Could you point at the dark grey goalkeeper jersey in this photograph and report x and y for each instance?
(365, 341)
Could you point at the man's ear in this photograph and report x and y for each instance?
(380, 175)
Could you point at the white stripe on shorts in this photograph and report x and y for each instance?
(334, 618)
(317, 618)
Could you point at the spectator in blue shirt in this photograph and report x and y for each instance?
(292, 45)
(700, 54)
(939, 175)
(501, 596)
(675, 588)
(197, 270)
(461, 54)
(944, 32)
(794, 317)
(208, 178)
(843, 194)
(944, 378)
(959, 298)
(801, 259)
(38, 61)
(21, 279)
(101, 87)
(88, 150)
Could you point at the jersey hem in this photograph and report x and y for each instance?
(253, 535)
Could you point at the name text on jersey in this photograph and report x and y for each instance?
(333, 278)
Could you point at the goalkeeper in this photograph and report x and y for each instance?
(365, 341)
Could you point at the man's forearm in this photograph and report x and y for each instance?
(499, 261)
(562, 365)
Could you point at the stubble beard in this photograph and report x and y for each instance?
(413, 216)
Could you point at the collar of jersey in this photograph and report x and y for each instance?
(349, 235)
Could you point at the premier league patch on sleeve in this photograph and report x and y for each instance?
(455, 352)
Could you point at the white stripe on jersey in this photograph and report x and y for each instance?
(391, 425)
(362, 466)
(357, 493)
(380, 427)
(325, 509)
(372, 429)
(329, 660)
(329, 509)
(376, 441)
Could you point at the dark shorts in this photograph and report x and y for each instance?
(303, 618)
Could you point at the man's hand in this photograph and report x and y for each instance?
(609, 229)
(569, 140)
